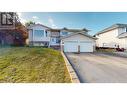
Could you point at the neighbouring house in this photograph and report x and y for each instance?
(40, 35)
(12, 32)
(114, 36)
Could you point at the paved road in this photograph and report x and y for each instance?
(99, 67)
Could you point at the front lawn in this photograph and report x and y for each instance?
(32, 65)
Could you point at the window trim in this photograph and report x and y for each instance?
(39, 30)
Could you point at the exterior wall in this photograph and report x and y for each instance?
(78, 37)
(125, 42)
(55, 41)
(39, 41)
(30, 35)
(9, 39)
(6, 39)
(61, 32)
(121, 30)
(110, 39)
(55, 38)
(56, 34)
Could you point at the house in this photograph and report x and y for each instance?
(112, 37)
(12, 32)
(41, 35)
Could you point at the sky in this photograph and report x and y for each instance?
(93, 21)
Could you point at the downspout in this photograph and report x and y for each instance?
(61, 45)
(49, 38)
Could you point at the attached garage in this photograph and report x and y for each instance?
(78, 42)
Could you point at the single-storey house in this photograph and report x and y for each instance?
(114, 36)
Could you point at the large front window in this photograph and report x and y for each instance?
(39, 33)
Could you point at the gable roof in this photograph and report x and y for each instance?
(75, 30)
(32, 25)
(82, 33)
(118, 25)
(67, 29)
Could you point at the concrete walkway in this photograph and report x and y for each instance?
(99, 67)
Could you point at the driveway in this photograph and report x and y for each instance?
(99, 67)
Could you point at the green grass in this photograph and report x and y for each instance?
(32, 65)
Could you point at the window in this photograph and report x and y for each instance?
(53, 40)
(39, 33)
(46, 33)
(126, 29)
(64, 33)
(57, 40)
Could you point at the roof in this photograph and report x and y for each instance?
(75, 30)
(79, 33)
(54, 30)
(37, 25)
(67, 29)
(71, 30)
(118, 25)
(123, 35)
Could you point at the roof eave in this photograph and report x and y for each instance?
(79, 33)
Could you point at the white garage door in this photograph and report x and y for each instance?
(72, 46)
(86, 46)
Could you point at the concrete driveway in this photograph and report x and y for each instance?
(99, 67)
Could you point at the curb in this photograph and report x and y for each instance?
(73, 75)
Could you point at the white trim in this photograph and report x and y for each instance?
(36, 30)
(82, 33)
